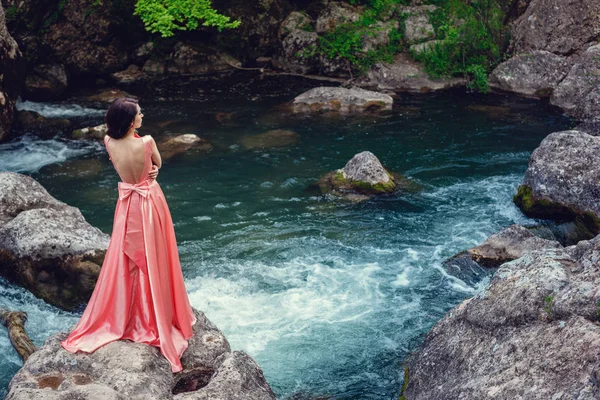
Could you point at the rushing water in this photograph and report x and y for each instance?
(328, 296)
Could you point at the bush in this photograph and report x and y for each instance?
(167, 16)
(472, 37)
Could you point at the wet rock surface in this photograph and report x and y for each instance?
(128, 370)
(47, 246)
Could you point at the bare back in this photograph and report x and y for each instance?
(131, 157)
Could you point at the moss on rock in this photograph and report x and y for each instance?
(588, 223)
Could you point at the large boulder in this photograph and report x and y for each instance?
(10, 77)
(341, 100)
(534, 74)
(405, 75)
(128, 370)
(577, 93)
(558, 26)
(46, 82)
(532, 333)
(561, 181)
(47, 246)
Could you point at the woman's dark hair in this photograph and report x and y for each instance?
(120, 116)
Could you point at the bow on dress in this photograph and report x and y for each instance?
(134, 245)
(126, 189)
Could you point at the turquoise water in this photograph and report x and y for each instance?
(328, 296)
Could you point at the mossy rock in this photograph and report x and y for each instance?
(534, 207)
(336, 183)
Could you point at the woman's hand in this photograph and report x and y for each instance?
(153, 172)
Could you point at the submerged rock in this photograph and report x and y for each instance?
(561, 182)
(361, 178)
(172, 146)
(341, 100)
(269, 139)
(128, 370)
(47, 246)
(533, 333)
(531, 74)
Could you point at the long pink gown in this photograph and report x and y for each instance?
(140, 294)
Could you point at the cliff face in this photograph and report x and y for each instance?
(10, 60)
(555, 54)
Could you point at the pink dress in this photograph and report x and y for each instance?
(140, 294)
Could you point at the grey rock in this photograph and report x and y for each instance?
(342, 100)
(425, 47)
(379, 35)
(46, 82)
(298, 41)
(237, 377)
(362, 178)
(532, 333)
(188, 59)
(45, 245)
(532, 74)
(509, 244)
(582, 81)
(366, 167)
(126, 370)
(205, 346)
(335, 14)
(561, 181)
(187, 142)
(405, 75)
(10, 77)
(417, 28)
(155, 67)
(558, 26)
(129, 75)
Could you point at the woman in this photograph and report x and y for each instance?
(140, 294)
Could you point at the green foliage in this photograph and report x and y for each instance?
(12, 13)
(167, 16)
(598, 308)
(53, 16)
(549, 301)
(473, 37)
(346, 43)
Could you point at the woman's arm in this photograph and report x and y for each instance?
(156, 160)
